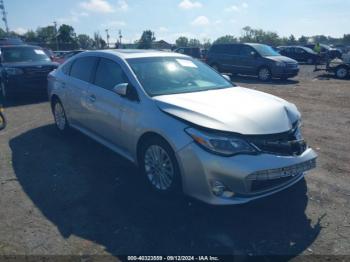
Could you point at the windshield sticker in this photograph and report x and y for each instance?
(186, 63)
(39, 52)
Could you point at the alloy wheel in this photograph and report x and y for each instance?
(60, 117)
(159, 168)
(264, 74)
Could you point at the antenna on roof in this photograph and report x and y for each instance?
(4, 15)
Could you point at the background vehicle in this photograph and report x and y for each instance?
(65, 56)
(2, 119)
(2, 116)
(299, 53)
(194, 52)
(339, 67)
(11, 41)
(327, 52)
(187, 127)
(252, 59)
(24, 70)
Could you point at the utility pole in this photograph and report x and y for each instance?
(120, 38)
(4, 15)
(107, 33)
(56, 35)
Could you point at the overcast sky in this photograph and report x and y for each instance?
(192, 18)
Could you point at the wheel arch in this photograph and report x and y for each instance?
(151, 135)
(146, 136)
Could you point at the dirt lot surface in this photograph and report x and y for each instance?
(69, 195)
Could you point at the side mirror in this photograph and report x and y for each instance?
(254, 54)
(121, 89)
(227, 77)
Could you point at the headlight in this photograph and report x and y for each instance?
(222, 145)
(280, 64)
(13, 71)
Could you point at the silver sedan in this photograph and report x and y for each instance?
(188, 128)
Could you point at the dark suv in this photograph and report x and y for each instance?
(252, 59)
(24, 70)
(299, 53)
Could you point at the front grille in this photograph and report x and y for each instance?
(285, 144)
(260, 185)
(268, 179)
(38, 71)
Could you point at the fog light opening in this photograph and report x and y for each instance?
(220, 190)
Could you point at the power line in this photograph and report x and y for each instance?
(4, 15)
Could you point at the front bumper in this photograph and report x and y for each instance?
(285, 72)
(25, 86)
(238, 173)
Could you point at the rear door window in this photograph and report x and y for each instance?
(83, 67)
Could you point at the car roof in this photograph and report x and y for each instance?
(20, 46)
(138, 53)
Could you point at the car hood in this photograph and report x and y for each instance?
(281, 59)
(31, 64)
(237, 109)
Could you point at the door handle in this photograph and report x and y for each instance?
(92, 98)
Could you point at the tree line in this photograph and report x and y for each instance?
(65, 38)
(265, 37)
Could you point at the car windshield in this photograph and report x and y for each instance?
(174, 75)
(23, 54)
(265, 50)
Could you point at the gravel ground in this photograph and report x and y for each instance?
(71, 196)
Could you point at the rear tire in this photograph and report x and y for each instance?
(59, 114)
(264, 74)
(341, 72)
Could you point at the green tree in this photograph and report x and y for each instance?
(146, 40)
(85, 42)
(346, 39)
(66, 34)
(2, 33)
(98, 42)
(182, 41)
(292, 40)
(30, 36)
(46, 35)
(303, 40)
(206, 43)
(194, 43)
(260, 36)
(227, 39)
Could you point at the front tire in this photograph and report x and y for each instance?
(342, 72)
(264, 74)
(59, 114)
(159, 166)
